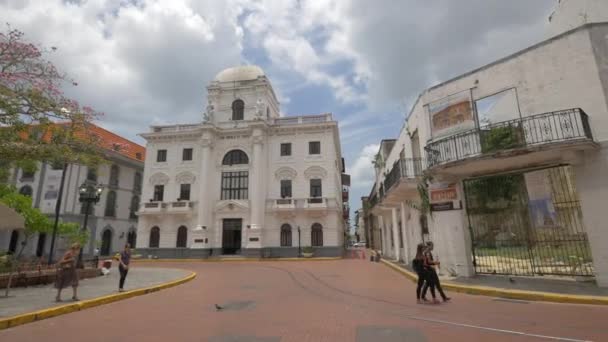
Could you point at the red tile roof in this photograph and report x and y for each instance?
(109, 141)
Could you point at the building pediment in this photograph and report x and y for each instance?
(315, 172)
(185, 177)
(285, 172)
(228, 206)
(159, 178)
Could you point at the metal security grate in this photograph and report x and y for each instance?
(528, 224)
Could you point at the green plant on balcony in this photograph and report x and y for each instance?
(501, 138)
(424, 206)
(378, 161)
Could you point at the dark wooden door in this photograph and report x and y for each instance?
(231, 237)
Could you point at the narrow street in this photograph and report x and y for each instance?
(345, 300)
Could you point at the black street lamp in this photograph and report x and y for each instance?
(299, 244)
(89, 192)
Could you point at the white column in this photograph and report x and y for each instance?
(385, 243)
(396, 234)
(406, 245)
(256, 198)
(204, 223)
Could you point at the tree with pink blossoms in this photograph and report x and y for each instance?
(37, 121)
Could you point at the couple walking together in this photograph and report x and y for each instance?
(424, 266)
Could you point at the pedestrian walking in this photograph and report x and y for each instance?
(67, 274)
(123, 266)
(431, 276)
(418, 265)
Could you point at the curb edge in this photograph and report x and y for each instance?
(38, 315)
(507, 293)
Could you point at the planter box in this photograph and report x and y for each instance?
(307, 255)
(30, 278)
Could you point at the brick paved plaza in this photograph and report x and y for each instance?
(343, 300)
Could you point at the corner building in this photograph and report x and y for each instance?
(245, 180)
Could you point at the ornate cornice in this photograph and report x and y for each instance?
(285, 172)
(159, 178)
(185, 177)
(315, 172)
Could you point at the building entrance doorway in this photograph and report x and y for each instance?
(231, 236)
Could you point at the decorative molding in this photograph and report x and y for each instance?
(285, 172)
(159, 178)
(257, 139)
(315, 172)
(185, 177)
(232, 205)
(207, 142)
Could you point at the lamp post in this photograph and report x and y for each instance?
(299, 244)
(89, 192)
(57, 211)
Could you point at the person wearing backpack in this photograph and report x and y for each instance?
(418, 266)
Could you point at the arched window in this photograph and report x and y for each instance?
(137, 182)
(154, 237)
(114, 171)
(12, 246)
(134, 207)
(26, 190)
(132, 238)
(182, 237)
(111, 204)
(235, 157)
(285, 235)
(316, 236)
(106, 242)
(238, 110)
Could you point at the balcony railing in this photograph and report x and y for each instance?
(306, 119)
(536, 130)
(404, 168)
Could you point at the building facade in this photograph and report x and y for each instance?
(112, 221)
(244, 181)
(517, 185)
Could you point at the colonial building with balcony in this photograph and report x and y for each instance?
(246, 180)
(504, 167)
(112, 221)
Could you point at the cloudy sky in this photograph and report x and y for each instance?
(144, 62)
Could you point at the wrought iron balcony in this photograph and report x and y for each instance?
(404, 168)
(564, 126)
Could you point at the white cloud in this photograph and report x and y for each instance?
(362, 170)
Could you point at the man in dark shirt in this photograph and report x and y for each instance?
(123, 267)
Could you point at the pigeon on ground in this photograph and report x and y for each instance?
(511, 280)
(218, 308)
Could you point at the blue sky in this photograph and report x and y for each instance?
(148, 61)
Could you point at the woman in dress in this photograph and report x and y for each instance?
(67, 274)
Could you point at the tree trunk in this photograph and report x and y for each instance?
(14, 265)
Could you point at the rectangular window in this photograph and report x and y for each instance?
(286, 149)
(187, 154)
(235, 185)
(314, 147)
(315, 188)
(161, 156)
(286, 188)
(184, 192)
(159, 192)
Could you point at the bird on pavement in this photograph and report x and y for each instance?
(218, 308)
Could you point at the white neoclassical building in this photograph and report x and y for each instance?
(243, 181)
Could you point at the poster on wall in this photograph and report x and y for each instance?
(452, 114)
(444, 197)
(540, 203)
